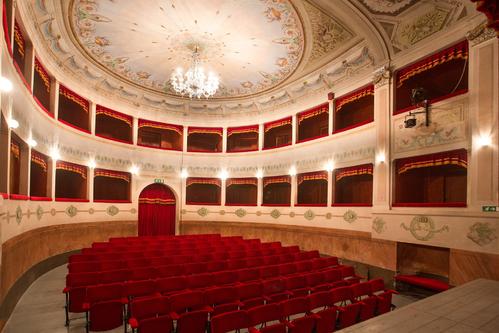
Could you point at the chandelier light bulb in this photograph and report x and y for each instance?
(5, 84)
(194, 82)
(13, 123)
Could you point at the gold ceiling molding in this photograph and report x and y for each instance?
(328, 33)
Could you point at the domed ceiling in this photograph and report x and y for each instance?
(252, 45)
(268, 54)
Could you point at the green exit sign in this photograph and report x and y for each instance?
(490, 209)
(159, 180)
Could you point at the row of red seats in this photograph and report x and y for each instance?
(204, 260)
(161, 258)
(104, 246)
(172, 252)
(242, 244)
(155, 314)
(77, 283)
(172, 238)
(221, 298)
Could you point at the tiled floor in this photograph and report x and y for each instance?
(470, 308)
(473, 307)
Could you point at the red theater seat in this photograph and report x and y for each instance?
(229, 321)
(192, 322)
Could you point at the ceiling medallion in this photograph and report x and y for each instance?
(194, 83)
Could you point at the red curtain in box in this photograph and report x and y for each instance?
(6, 27)
(242, 181)
(15, 149)
(365, 169)
(276, 180)
(44, 75)
(71, 95)
(242, 129)
(209, 181)
(72, 167)
(19, 39)
(102, 110)
(205, 130)
(154, 124)
(455, 157)
(277, 123)
(157, 208)
(323, 108)
(317, 175)
(39, 159)
(458, 51)
(353, 96)
(112, 174)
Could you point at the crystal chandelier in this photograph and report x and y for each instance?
(194, 82)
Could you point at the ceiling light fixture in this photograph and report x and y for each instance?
(134, 170)
(259, 174)
(54, 153)
(194, 83)
(223, 175)
(5, 84)
(92, 164)
(32, 142)
(13, 123)
(184, 174)
(292, 171)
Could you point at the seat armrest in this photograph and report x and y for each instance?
(66, 290)
(174, 315)
(133, 322)
(85, 306)
(253, 330)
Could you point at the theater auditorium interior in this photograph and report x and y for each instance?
(273, 166)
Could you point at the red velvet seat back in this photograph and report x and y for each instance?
(148, 307)
(106, 315)
(229, 321)
(326, 322)
(160, 324)
(302, 325)
(264, 313)
(368, 308)
(192, 322)
(295, 306)
(348, 315)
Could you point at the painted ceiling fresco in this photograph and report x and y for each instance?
(252, 45)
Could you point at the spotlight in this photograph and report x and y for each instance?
(184, 174)
(32, 142)
(410, 122)
(259, 174)
(134, 170)
(5, 84)
(13, 123)
(292, 171)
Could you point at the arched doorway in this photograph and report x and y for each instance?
(157, 208)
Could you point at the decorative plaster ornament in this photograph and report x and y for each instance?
(202, 211)
(240, 213)
(423, 228)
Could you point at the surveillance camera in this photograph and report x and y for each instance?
(410, 123)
